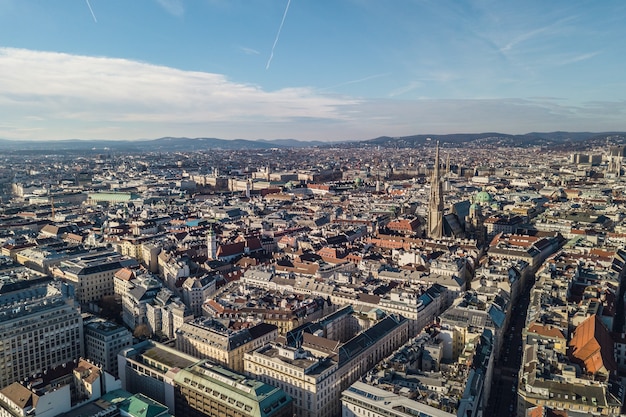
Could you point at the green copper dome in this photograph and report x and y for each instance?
(483, 197)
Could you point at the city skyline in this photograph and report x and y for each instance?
(328, 71)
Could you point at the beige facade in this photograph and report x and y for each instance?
(207, 339)
(315, 373)
(311, 382)
(92, 276)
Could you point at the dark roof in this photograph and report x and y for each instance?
(362, 341)
(336, 240)
(92, 269)
(22, 284)
(261, 329)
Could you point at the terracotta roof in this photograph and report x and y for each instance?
(125, 274)
(331, 253)
(602, 253)
(88, 371)
(546, 330)
(239, 247)
(216, 306)
(535, 411)
(522, 240)
(592, 345)
(230, 249)
(411, 225)
(299, 267)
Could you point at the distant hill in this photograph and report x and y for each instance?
(491, 139)
(554, 140)
(165, 144)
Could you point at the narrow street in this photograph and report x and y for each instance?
(503, 397)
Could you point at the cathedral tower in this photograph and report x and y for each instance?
(435, 204)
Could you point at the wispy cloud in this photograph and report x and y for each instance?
(358, 80)
(174, 7)
(249, 51)
(530, 34)
(579, 58)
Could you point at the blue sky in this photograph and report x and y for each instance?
(340, 69)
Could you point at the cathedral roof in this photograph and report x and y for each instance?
(592, 345)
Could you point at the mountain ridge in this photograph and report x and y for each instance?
(557, 139)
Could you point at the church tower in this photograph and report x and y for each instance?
(614, 165)
(435, 204)
(211, 243)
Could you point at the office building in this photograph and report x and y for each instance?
(206, 390)
(103, 341)
(145, 368)
(92, 275)
(40, 327)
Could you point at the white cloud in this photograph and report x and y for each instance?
(48, 95)
(81, 88)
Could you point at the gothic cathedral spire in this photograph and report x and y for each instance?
(435, 204)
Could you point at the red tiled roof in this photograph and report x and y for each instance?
(535, 411)
(230, 249)
(405, 225)
(216, 306)
(125, 274)
(592, 344)
(546, 330)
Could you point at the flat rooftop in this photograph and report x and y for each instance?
(167, 358)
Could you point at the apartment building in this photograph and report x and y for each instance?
(40, 327)
(103, 341)
(92, 275)
(314, 370)
(209, 339)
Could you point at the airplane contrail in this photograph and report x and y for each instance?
(282, 22)
(91, 10)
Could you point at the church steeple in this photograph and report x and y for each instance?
(435, 204)
(211, 244)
